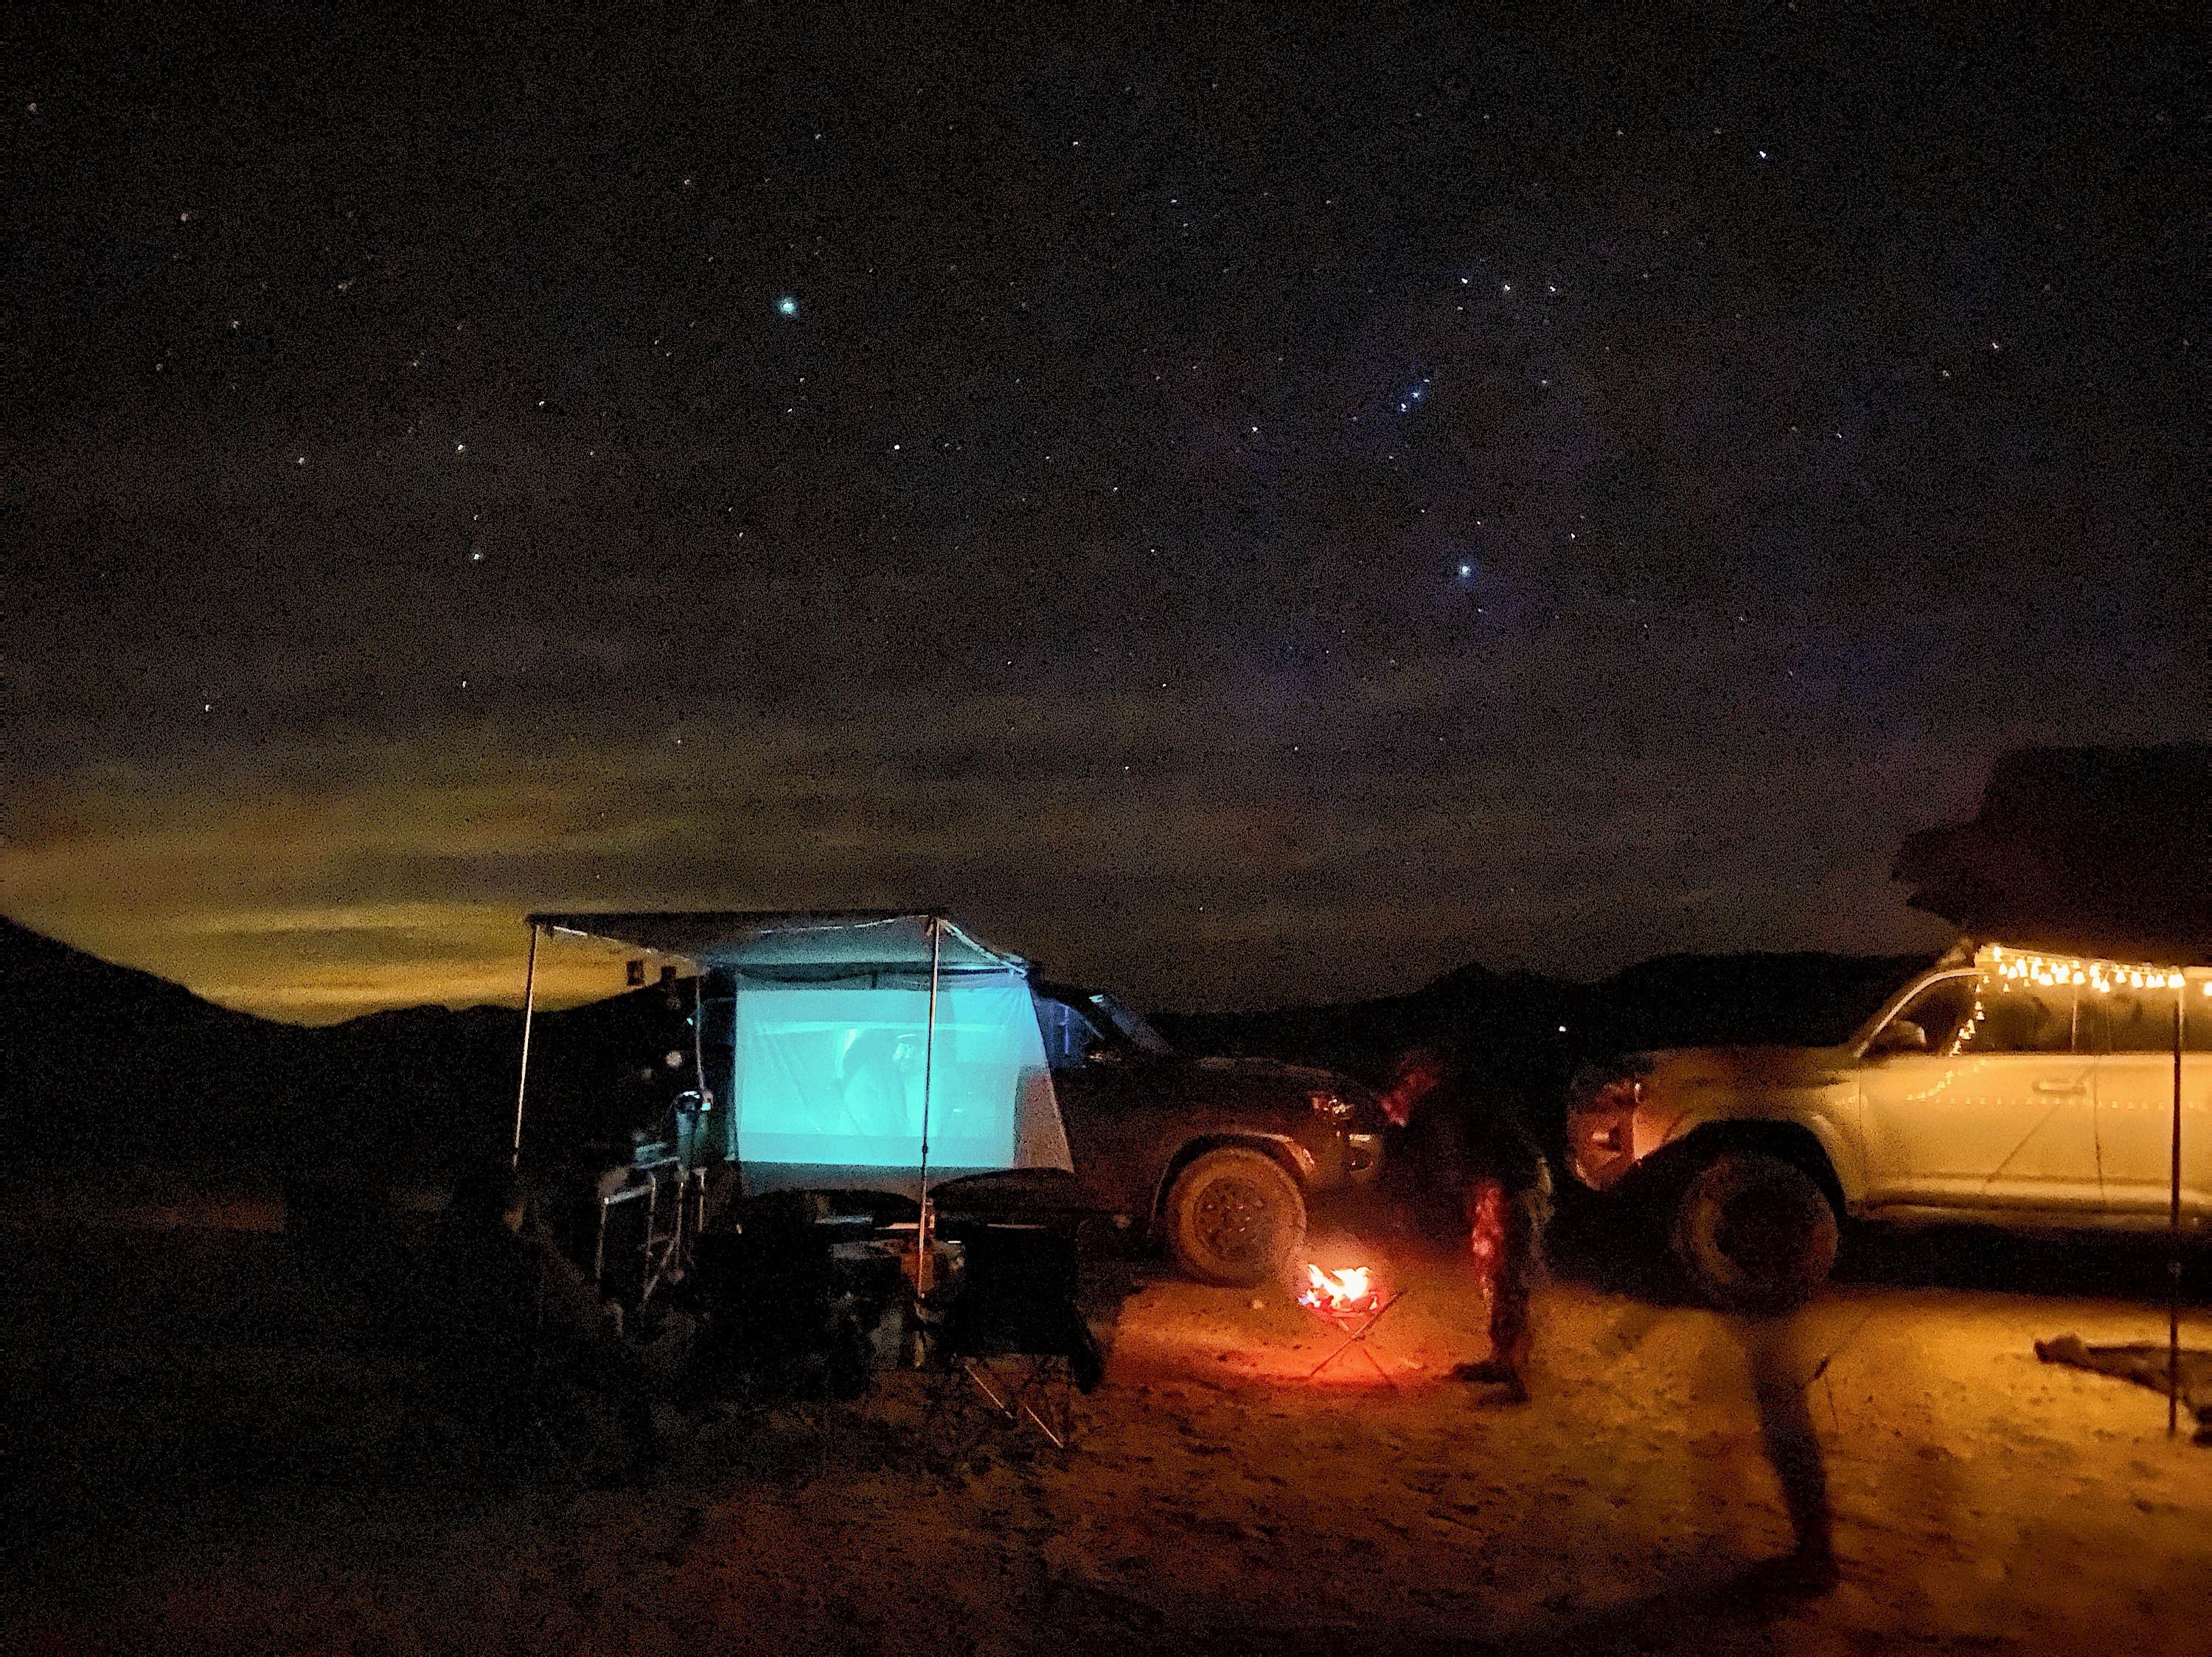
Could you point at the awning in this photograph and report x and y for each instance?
(803, 943)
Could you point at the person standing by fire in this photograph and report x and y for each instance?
(1453, 1142)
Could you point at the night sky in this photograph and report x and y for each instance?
(1244, 510)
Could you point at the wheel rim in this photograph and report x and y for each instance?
(1752, 1234)
(1760, 1233)
(1233, 1221)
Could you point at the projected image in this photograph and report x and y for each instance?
(832, 1076)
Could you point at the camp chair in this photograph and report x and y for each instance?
(649, 1216)
(784, 1321)
(1012, 1349)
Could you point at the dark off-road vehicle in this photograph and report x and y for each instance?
(1214, 1157)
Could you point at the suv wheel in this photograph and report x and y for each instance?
(1755, 1233)
(1235, 1217)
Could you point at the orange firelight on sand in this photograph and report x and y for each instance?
(1339, 1294)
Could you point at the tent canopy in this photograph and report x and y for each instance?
(876, 1050)
(805, 944)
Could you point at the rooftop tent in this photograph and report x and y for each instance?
(881, 1052)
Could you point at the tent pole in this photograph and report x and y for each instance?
(2174, 1224)
(924, 1244)
(529, 1006)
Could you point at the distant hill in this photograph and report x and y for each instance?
(102, 1065)
(1688, 1000)
(424, 1087)
(1511, 1020)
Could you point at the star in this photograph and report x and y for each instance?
(788, 306)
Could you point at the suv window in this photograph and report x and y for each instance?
(1941, 1011)
(2141, 1022)
(1067, 1034)
(1131, 1023)
(2025, 1018)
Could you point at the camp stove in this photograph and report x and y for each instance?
(1349, 1302)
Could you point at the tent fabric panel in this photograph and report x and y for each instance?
(1039, 1136)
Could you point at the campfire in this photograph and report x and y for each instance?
(1350, 1293)
(1349, 1300)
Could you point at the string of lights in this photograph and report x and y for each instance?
(2016, 966)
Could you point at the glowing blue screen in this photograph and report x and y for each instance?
(831, 1075)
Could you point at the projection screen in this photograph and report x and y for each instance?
(830, 1081)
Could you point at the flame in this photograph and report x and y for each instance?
(1349, 1290)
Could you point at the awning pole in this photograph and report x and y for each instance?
(2173, 1224)
(529, 1006)
(925, 1243)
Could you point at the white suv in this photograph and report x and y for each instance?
(2004, 1087)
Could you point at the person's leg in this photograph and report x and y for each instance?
(1488, 1242)
(1511, 1339)
(1785, 1427)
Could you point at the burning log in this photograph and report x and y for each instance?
(1347, 1294)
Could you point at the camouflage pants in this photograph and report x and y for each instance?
(1504, 1232)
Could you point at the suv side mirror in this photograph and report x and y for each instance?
(1900, 1036)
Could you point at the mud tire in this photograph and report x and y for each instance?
(1754, 1232)
(1236, 1218)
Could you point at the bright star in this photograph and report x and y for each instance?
(1466, 570)
(788, 306)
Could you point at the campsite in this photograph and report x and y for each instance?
(1104, 830)
(234, 1430)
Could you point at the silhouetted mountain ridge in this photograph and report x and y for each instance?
(100, 1063)
(104, 1062)
(1524, 1035)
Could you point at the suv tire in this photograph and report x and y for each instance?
(1235, 1217)
(1754, 1232)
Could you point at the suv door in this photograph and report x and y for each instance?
(1997, 1111)
(1100, 1082)
(2131, 1035)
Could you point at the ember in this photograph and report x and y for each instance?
(1343, 1293)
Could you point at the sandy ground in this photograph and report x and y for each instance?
(1218, 1501)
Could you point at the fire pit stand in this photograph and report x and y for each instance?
(1355, 1326)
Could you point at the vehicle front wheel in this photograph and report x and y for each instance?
(1235, 1217)
(1754, 1232)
